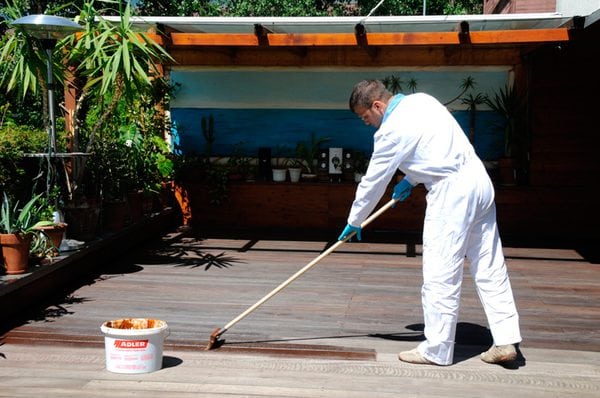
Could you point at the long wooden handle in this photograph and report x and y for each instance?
(308, 266)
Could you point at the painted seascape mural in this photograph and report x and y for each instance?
(270, 107)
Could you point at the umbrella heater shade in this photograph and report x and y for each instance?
(47, 26)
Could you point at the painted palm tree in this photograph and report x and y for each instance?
(472, 102)
(467, 84)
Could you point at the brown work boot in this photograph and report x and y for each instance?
(414, 356)
(499, 354)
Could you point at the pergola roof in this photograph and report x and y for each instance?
(388, 30)
(291, 25)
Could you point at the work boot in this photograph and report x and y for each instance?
(499, 354)
(414, 356)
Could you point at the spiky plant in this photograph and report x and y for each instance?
(15, 220)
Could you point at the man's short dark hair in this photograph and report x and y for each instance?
(366, 92)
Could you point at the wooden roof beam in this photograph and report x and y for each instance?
(373, 39)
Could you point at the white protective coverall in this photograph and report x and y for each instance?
(422, 139)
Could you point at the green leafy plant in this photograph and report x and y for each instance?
(509, 104)
(23, 66)
(240, 165)
(217, 179)
(149, 158)
(15, 220)
(114, 64)
(281, 157)
(307, 151)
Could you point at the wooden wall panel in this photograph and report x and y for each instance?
(565, 134)
(322, 206)
(524, 213)
(458, 55)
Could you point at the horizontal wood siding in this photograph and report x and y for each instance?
(347, 56)
(321, 206)
(564, 109)
(524, 212)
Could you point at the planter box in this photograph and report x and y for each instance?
(304, 205)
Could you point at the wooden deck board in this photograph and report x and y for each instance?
(345, 319)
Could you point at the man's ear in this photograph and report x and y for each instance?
(379, 106)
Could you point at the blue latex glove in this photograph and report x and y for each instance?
(348, 230)
(402, 190)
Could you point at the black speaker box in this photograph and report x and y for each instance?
(264, 164)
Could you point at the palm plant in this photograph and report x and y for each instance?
(116, 63)
(22, 64)
(109, 63)
(508, 104)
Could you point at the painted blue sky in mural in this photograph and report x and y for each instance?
(272, 108)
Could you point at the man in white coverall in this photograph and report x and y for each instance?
(418, 136)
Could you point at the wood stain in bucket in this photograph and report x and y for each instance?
(134, 345)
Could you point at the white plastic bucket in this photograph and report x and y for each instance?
(134, 345)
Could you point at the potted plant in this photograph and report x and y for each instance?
(114, 166)
(17, 226)
(295, 170)
(48, 238)
(280, 162)
(240, 165)
(306, 153)
(508, 104)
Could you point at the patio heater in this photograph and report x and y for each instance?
(49, 29)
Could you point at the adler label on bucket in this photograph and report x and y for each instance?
(131, 344)
(134, 345)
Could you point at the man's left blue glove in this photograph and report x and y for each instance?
(348, 230)
(402, 190)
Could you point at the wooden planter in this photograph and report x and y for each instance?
(15, 252)
(83, 221)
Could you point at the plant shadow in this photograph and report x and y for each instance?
(188, 253)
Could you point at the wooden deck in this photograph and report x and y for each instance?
(335, 332)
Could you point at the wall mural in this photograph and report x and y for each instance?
(280, 107)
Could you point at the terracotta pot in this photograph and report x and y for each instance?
(55, 233)
(15, 252)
